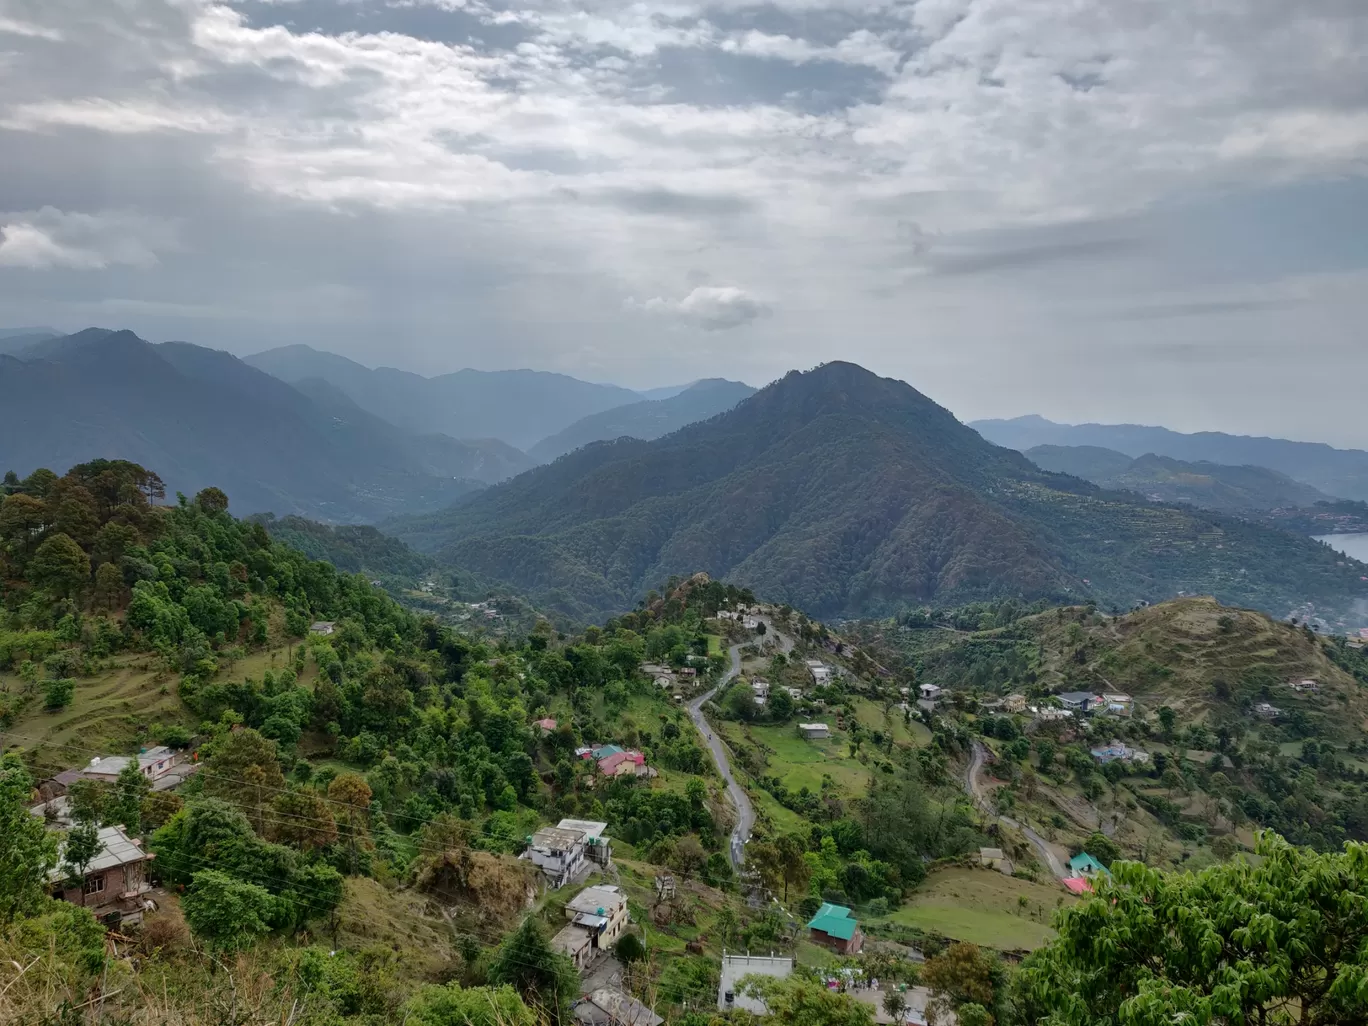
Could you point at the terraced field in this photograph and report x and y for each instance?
(113, 711)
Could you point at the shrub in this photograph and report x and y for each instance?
(57, 694)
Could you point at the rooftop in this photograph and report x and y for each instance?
(116, 849)
(596, 900)
(556, 838)
(735, 967)
(608, 1005)
(590, 827)
(834, 921)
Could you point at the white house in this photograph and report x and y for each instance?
(597, 848)
(558, 853)
(821, 673)
(601, 911)
(1079, 701)
(153, 764)
(1268, 712)
(814, 731)
(322, 627)
(1117, 704)
(929, 692)
(735, 967)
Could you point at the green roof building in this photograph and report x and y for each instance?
(834, 928)
(1084, 864)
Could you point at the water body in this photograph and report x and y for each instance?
(1352, 545)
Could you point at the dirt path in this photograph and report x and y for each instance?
(973, 783)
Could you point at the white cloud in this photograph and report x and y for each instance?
(711, 307)
(46, 239)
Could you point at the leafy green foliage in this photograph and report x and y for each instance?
(1233, 943)
(545, 978)
(847, 494)
(227, 913)
(27, 850)
(453, 1005)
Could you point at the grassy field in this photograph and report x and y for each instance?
(984, 907)
(109, 713)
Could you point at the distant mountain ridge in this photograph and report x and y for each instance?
(519, 407)
(204, 417)
(844, 494)
(648, 419)
(1164, 479)
(1342, 473)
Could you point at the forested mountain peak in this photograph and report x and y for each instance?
(844, 492)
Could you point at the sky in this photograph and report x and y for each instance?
(1110, 210)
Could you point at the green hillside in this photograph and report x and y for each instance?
(1199, 674)
(1215, 486)
(847, 494)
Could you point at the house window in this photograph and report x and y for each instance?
(95, 885)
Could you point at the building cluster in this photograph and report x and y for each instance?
(1083, 870)
(567, 851)
(615, 761)
(1090, 703)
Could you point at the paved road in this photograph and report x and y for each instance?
(745, 811)
(974, 785)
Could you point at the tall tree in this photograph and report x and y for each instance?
(228, 914)
(27, 850)
(1279, 942)
(79, 849)
(545, 978)
(124, 805)
(59, 566)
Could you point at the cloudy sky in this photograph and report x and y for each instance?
(1151, 210)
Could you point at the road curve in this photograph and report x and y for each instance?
(974, 786)
(745, 811)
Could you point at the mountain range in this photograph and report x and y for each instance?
(647, 419)
(845, 494)
(1164, 479)
(1342, 473)
(519, 407)
(205, 417)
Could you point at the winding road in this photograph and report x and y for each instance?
(745, 811)
(974, 786)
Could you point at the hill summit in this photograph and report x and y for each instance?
(846, 493)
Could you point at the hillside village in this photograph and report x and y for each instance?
(710, 805)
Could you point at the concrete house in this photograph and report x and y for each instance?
(734, 967)
(814, 731)
(1268, 712)
(1119, 751)
(608, 1006)
(1118, 704)
(601, 911)
(1014, 703)
(821, 673)
(1079, 701)
(575, 944)
(929, 692)
(834, 928)
(559, 854)
(323, 627)
(153, 764)
(115, 880)
(597, 846)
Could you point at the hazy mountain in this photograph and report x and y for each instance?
(7, 333)
(18, 341)
(518, 406)
(1209, 485)
(846, 493)
(1338, 472)
(648, 419)
(664, 392)
(204, 417)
